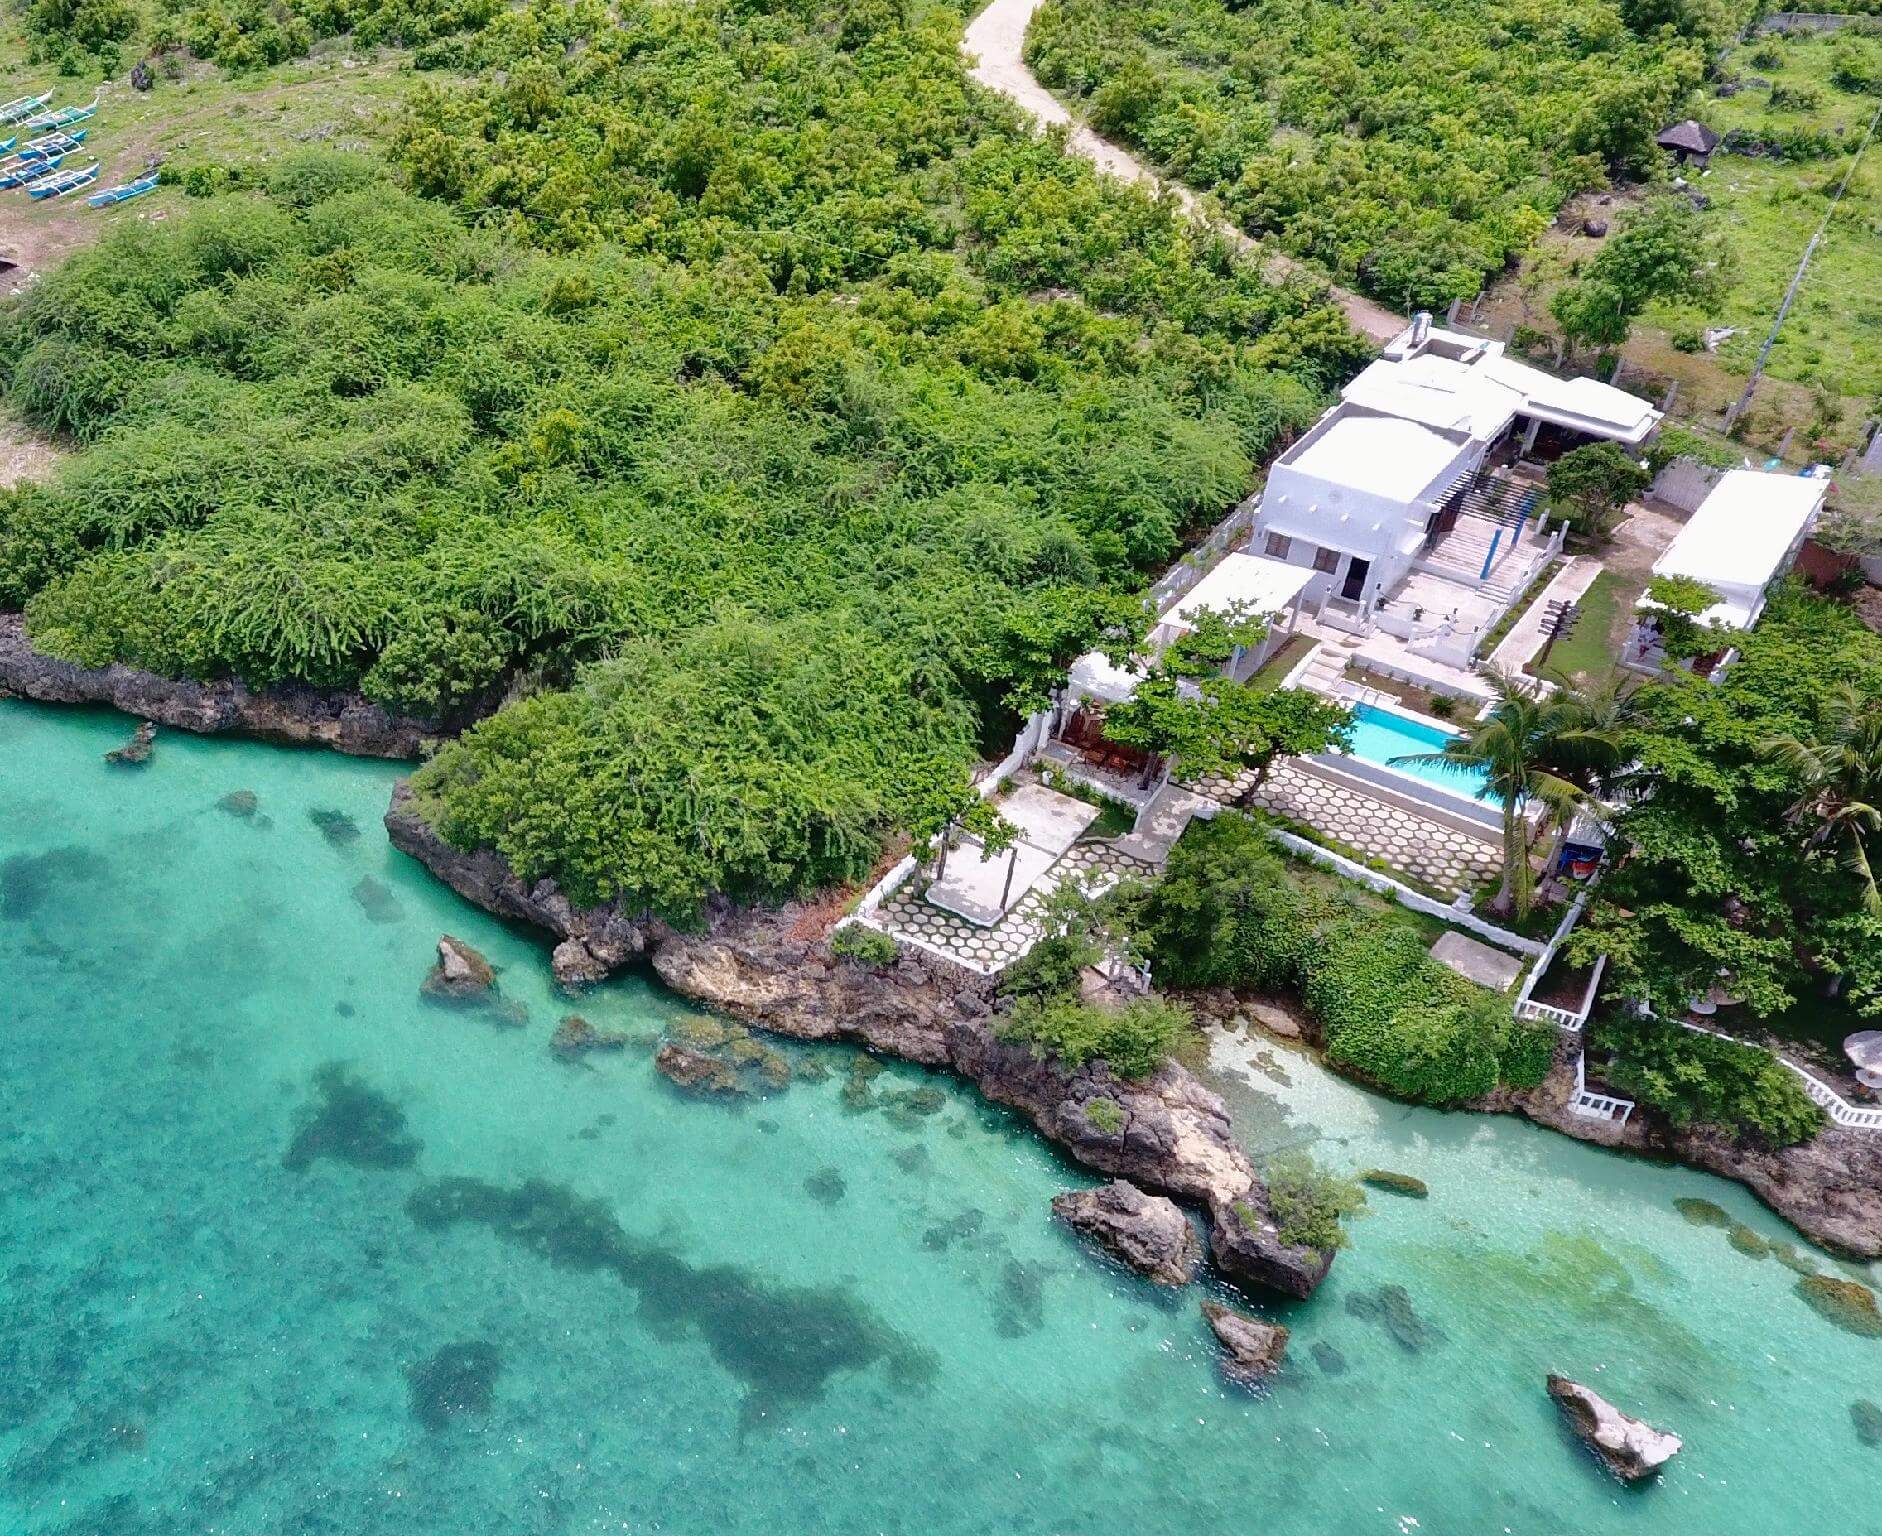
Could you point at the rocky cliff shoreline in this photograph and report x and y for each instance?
(1172, 1135)
(347, 722)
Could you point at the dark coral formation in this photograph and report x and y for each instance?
(29, 880)
(350, 1122)
(338, 828)
(575, 1037)
(783, 1342)
(826, 1186)
(1395, 1183)
(1391, 1307)
(240, 802)
(376, 900)
(460, 1378)
(1847, 1303)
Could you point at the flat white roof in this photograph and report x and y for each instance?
(1379, 455)
(1266, 586)
(1438, 392)
(1740, 538)
(1585, 403)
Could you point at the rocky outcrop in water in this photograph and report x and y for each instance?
(1630, 1448)
(1168, 1134)
(347, 722)
(460, 975)
(1829, 1188)
(1147, 1232)
(575, 1036)
(135, 752)
(1251, 1349)
(694, 1069)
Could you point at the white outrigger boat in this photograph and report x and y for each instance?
(21, 107)
(62, 117)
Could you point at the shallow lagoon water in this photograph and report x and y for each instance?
(289, 1250)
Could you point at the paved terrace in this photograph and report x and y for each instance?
(907, 914)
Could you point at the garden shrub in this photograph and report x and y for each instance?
(864, 945)
(1133, 1040)
(1229, 912)
(1309, 1202)
(1696, 1079)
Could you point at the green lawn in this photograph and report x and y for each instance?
(1588, 655)
(1282, 662)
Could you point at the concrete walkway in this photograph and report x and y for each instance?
(996, 40)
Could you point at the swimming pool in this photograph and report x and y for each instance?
(1379, 735)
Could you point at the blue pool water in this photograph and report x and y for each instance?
(1379, 735)
(287, 1251)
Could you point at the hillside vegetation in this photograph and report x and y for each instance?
(742, 406)
(1413, 148)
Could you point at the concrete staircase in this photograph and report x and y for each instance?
(1322, 671)
(1460, 554)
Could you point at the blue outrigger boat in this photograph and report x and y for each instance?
(62, 117)
(47, 144)
(18, 175)
(20, 107)
(62, 182)
(145, 183)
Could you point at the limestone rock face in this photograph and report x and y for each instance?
(461, 974)
(1630, 1449)
(1251, 1349)
(347, 722)
(1166, 1134)
(1147, 1232)
(576, 965)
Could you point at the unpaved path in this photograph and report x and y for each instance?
(23, 456)
(996, 40)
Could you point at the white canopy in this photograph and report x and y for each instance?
(1264, 585)
(1093, 677)
(1744, 534)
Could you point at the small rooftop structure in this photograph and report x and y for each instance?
(1743, 536)
(1690, 139)
(1259, 584)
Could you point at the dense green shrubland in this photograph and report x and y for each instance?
(1699, 1080)
(1230, 913)
(1412, 148)
(768, 457)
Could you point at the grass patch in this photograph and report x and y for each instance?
(1275, 669)
(1588, 654)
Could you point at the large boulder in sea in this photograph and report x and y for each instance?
(461, 974)
(1247, 1245)
(695, 1070)
(1251, 1349)
(1147, 1232)
(1630, 1448)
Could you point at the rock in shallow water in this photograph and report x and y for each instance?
(688, 1068)
(575, 1036)
(1395, 1183)
(1251, 1349)
(135, 752)
(1630, 1448)
(1147, 1232)
(461, 974)
(1868, 1421)
(1846, 1303)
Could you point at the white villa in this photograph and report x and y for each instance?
(1392, 501)
(1741, 539)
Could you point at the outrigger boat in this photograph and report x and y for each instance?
(20, 174)
(62, 117)
(46, 144)
(145, 183)
(21, 106)
(62, 182)
(6, 145)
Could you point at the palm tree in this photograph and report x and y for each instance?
(1551, 751)
(1841, 774)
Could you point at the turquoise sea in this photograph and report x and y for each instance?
(287, 1249)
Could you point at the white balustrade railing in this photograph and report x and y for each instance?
(1850, 1116)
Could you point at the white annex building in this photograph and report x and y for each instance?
(1394, 503)
(1741, 539)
